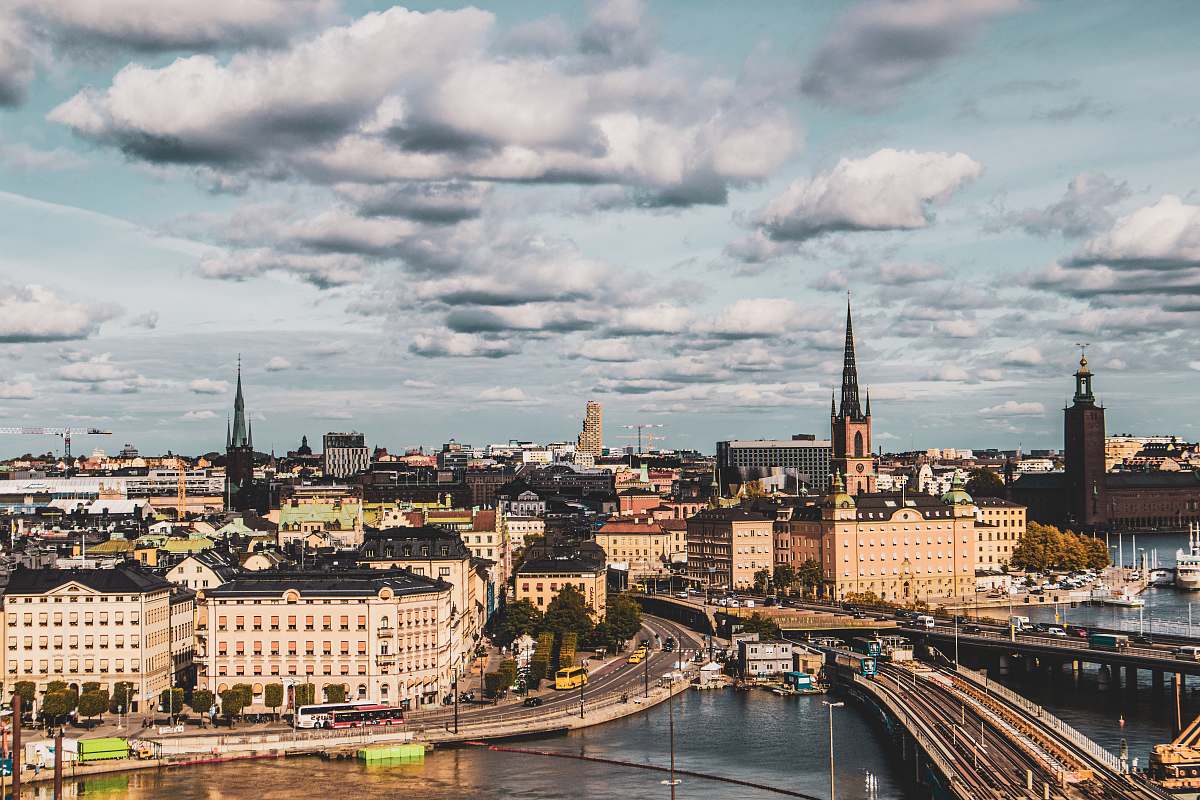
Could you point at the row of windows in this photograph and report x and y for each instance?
(89, 666)
(72, 642)
(73, 618)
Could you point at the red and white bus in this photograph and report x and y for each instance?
(364, 716)
(318, 716)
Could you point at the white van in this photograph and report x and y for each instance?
(925, 621)
(1188, 653)
(1020, 623)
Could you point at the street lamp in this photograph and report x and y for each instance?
(832, 781)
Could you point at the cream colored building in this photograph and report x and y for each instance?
(321, 516)
(440, 554)
(101, 625)
(727, 546)
(383, 635)
(999, 528)
(540, 580)
(518, 529)
(637, 544)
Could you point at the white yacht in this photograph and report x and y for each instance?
(1187, 562)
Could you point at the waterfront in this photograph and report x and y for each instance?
(753, 736)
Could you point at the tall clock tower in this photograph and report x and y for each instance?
(851, 426)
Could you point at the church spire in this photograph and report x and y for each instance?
(241, 435)
(850, 406)
(868, 402)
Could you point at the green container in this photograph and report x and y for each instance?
(108, 748)
(412, 753)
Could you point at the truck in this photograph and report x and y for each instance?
(104, 749)
(1018, 622)
(1108, 641)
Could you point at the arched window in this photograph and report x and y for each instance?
(858, 444)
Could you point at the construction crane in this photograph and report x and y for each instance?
(180, 489)
(64, 433)
(650, 436)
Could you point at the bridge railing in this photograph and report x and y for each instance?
(1046, 718)
(932, 752)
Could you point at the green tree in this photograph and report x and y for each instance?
(508, 672)
(514, 620)
(273, 697)
(492, 683)
(305, 694)
(810, 575)
(762, 579)
(785, 576)
(92, 703)
(232, 703)
(90, 686)
(757, 623)
(982, 482)
(335, 693)
(202, 702)
(171, 701)
(538, 667)
(55, 706)
(122, 697)
(624, 616)
(568, 612)
(56, 686)
(27, 690)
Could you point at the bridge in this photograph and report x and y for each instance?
(967, 739)
(714, 619)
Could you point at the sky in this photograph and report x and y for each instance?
(442, 221)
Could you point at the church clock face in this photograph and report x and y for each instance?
(860, 467)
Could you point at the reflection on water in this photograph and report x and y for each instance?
(753, 736)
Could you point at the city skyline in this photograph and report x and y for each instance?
(668, 226)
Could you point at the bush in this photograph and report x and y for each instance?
(335, 693)
(508, 672)
(538, 667)
(306, 694)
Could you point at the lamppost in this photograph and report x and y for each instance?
(832, 781)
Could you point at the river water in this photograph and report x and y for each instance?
(753, 736)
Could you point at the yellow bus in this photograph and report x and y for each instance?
(570, 678)
(637, 656)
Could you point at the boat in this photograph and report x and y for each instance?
(1187, 563)
(1115, 597)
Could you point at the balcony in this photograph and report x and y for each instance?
(385, 633)
(385, 658)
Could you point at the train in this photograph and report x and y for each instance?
(867, 646)
(862, 664)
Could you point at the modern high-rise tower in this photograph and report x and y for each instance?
(1083, 426)
(852, 426)
(591, 438)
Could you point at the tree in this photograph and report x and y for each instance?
(27, 690)
(1045, 547)
(514, 620)
(762, 579)
(305, 694)
(982, 482)
(171, 701)
(92, 703)
(121, 698)
(568, 612)
(757, 623)
(90, 686)
(273, 697)
(538, 667)
(492, 684)
(55, 705)
(785, 576)
(810, 575)
(624, 617)
(202, 702)
(232, 703)
(508, 672)
(335, 693)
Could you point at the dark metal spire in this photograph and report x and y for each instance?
(850, 407)
(868, 402)
(241, 435)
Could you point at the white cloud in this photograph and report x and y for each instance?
(655, 319)
(98, 369)
(16, 390)
(195, 416)
(958, 328)
(147, 320)
(1163, 236)
(25, 157)
(403, 96)
(887, 190)
(1028, 356)
(878, 48)
(512, 395)
(278, 364)
(1012, 408)
(17, 59)
(758, 317)
(949, 372)
(36, 314)
(209, 386)
(989, 374)
(1081, 210)
(609, 350)
(460, 345)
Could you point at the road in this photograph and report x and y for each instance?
(614, 679)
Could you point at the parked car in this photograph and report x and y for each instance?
(532, 702)
(1056, 631)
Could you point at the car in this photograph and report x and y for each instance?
(1082, 633)
(882, 618)
(669, 646)
(972, 629)
(1142, 639)
(682, 595)
(1056, 631)
(1039, 627)
(532, 702)
(859, 615)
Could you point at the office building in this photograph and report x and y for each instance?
(803, 460)
(591, 438)
(726, 546)
(344, 454)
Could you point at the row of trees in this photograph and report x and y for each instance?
(60, 700)
(569, 613)
(785, 577)
(1045, 547)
